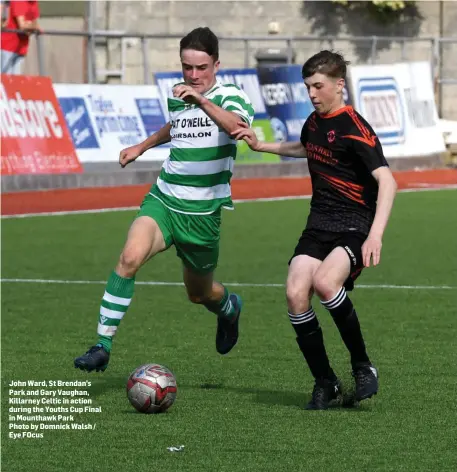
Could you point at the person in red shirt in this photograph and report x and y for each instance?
(23, 15)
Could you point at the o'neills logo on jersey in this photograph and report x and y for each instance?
(320, 153)
(197, 122)
(181, 125)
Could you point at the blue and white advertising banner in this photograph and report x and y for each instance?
(246, 79)
(398, 101)
(286, 99)
(104, 119)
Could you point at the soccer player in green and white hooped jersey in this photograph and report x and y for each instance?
(184, 206)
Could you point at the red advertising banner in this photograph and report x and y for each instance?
(34, 134)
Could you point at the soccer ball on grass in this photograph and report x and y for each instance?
(151, 388)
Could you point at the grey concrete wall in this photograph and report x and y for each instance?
(235, 18)
(65, 59)
(64, 56)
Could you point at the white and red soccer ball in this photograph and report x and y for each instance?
(151, 388)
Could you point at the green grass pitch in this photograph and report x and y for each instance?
(241, 412)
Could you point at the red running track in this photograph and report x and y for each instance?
(16, 203)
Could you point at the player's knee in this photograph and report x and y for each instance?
(297, 298)
(292, 294)
(129, 263)
(323, 286)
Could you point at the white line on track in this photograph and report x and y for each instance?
(272, 199)
(230, 284)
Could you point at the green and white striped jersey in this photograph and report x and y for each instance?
(195, 178)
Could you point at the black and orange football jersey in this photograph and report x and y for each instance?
(342, 151)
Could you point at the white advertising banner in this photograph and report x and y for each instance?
(399, 103)
(104, 119)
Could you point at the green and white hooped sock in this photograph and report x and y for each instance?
(116, 299)
(224, 307)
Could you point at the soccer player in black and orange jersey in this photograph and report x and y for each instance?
(353, 193)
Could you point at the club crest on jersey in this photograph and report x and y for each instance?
(331, 136)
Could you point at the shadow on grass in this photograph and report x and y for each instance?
(103, 383)
(276, 397)
(270, 397)
(132, 411)
(267, 397)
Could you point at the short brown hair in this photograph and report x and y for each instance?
(201, 39)
(326, 62)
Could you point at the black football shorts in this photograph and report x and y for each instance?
(319, 244)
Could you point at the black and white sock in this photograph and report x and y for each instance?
(311, 343)
(345, 318)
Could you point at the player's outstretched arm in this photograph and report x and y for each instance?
(131, 153)
(371, 249)
(292, 149)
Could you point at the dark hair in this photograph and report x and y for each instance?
(201, 39)
(325, 62)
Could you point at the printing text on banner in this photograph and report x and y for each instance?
(104, 119)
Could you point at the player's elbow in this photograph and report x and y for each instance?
(302, 151)
(385, 179)
(389, 182)
(232, 122)
(231, 126)
(394, 187)
(230, 130)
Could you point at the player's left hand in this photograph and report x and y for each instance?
(371, 250)
(188, 94)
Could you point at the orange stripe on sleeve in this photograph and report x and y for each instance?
(371, 141)
(366, 137)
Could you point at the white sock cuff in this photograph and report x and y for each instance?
(336, 301)
(302, 317)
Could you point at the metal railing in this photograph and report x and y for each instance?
(435, 46)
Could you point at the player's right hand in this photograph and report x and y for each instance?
(248, 134)
(129, 154)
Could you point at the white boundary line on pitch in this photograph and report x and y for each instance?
(249, 200)
(231, 284)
